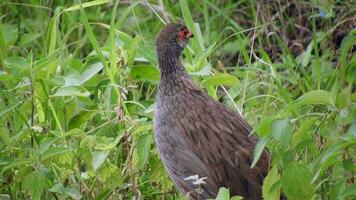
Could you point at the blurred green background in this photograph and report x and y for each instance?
(78, 83)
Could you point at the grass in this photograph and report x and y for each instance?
(78, 83)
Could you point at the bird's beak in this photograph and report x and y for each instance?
(190, 34)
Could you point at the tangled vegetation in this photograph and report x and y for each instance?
(78, 83)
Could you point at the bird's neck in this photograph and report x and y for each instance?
(170, 65)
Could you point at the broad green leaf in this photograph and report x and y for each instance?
(71, 91)
(313, 97)
(28, 38)
(146, 72)
(90, 71)
(110, 175)
(5, 137)
(316, 97)
(54, 151)
(17, 65)
(305, 56)
(35, 183)
(303, 130)
(222, 79)
(260, 146)
(349, 192)
(267, 189)
(106, 145)
(46, 143)
(236, 198)
(282, 131)
(346, 44)
(76, 132)
(297, 182)
(17, 163)
(205, 71)
(223, 194)
(142, 150)
(98, 159)
(9, 34)
(264, 127)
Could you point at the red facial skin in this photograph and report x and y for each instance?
(185, 34)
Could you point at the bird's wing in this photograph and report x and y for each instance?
(222, 138)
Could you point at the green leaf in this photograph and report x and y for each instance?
(142, 150)
(17, 163)
(260, 146)
(86, 5)
(268, 192)
(71, 91)
(223, 194)
(98, 159)
(303, 131)
(5, 137)
(110, 175)
(297, 182)
(236, 198)
(313, 97)
(54, 151)
(316, 97)
(146, 72)
(90, 71)
(188, 20)
(221, 79)
(346, 44)
(28, 38)
(282, 131)
(35, 183)
(17, 65)
(45, 144)
(305, 56)
(76, 132)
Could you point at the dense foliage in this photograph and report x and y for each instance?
(78, 85)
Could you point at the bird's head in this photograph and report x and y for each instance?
(172, 39)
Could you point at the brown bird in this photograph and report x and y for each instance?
(197, 135)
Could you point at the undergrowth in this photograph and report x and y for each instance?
(78, 83)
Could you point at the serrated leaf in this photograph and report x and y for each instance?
(282, 131)
(54, 151)
(142, 150)
(110, 175)
(260, 146)
(35, 183)
(71, 91)
(297, 182)
(272, 178)
(221, 79)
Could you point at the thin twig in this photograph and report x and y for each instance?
(250, 60)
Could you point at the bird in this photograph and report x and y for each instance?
(202, 144)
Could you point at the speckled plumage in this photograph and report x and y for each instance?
(197, 135)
